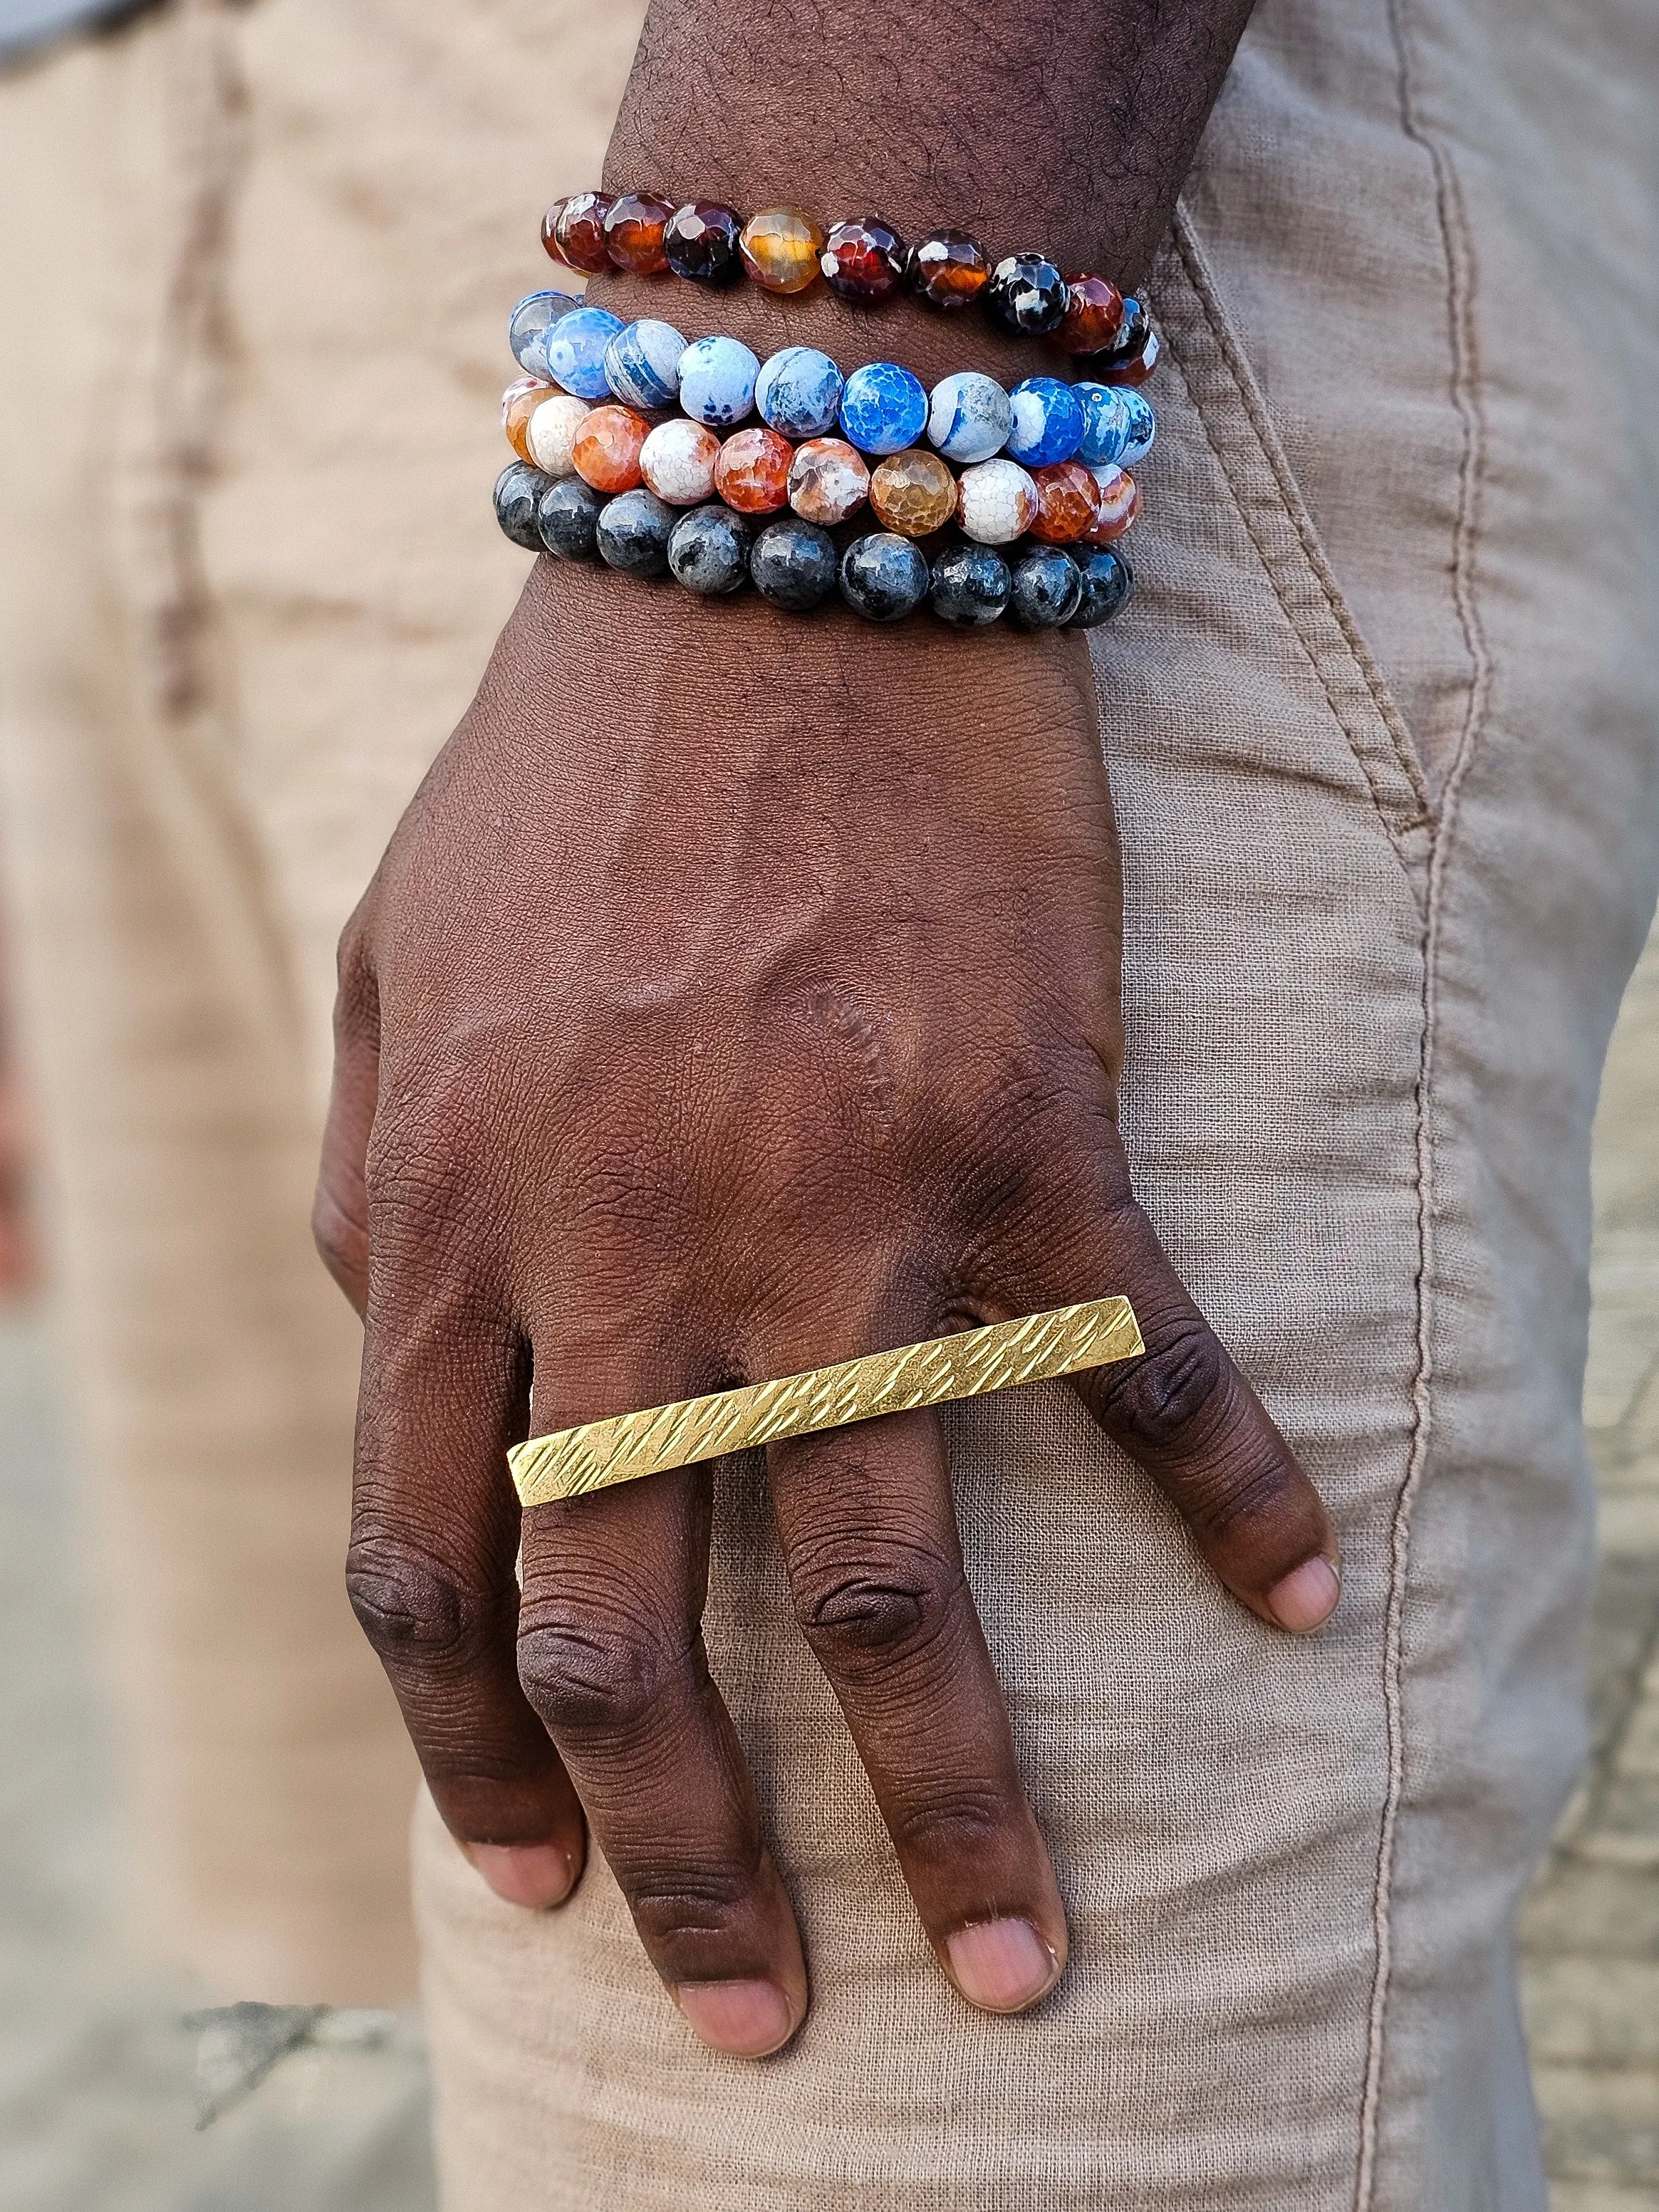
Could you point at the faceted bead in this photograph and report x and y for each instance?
(550, 235)
(633, 228)
(528, 324)
(717, 380)
(552, 432)
(519, 403)
(677, 462)
(968, 416)
(948, 270)
(882, 576)
(793, 564)
(517, 489)
(1027, 295)
(1047, 589)
(1141, 367)
(579, 232)
(781, 248)
(633, 533)
(576, 349)
(971, 584)
(1048, 422)
(1108, 585)
(567, 519)
(1143, 425)
(642, 365)
(882, 408)
(1094, 310)
(1134, 324)
(828, 480)
(864, 260)
(1068, 502)
(606, 448)
(701, 242)
(708, 550)
(799, 391)
(1105, 423)
(752, 472)
(1119, 503)
(996, 502)
(912, 492)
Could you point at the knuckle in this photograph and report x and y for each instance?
(1237, 1493)
(593, 1670)
(341, 1239)
(961, 1826)
(870, 1601)
(416, 1612)
(1159, 1402)
(670, 1905)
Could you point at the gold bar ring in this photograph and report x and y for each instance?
(570, 1462)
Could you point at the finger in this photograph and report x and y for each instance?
(431, 1576)
(339, 1214)
(610, 1651)
(870, 1539)
(1186, 1415)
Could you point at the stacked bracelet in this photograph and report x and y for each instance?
(862, 260)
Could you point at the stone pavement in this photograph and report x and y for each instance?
(1590, 1931)
(101, 2081)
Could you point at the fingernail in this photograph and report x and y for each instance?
(1002, 1965)
(535, 1874)
(747, 2019)
(1307, 1597)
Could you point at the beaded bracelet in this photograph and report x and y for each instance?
(863, 261)
(882, 575)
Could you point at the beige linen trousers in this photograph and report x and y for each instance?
(1383, 727)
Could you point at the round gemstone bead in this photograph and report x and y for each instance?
(551, 432)
(1108, 585)
(1068, 502)
(708, 550)
(864, 260)
(1105, 423)
(1142, 424)
(781, 248)
(1141, 367)
(1047, 421)
(717, 380)
(912, 492)
(1094, 309)
(576, 348)
(882, 576)
(1119, 503)
(828, 480)
(519, 403)
(633, 227)
(567, 517)
(752, 472)
(677, 462)
(996, 502)
(948, 270)
(550, 235)
(700, 241)
(579, 232)
(1027, 295)
(642, 365)
(799, 391)
(793, 564)
(1046, 588)
(882, 408)
(605, 450)
(517, 489)
(968, 416)
(632, 532)
(971, 585)
(528, 324)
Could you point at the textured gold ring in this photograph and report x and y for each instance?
(572, 1461)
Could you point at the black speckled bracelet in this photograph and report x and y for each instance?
(796, 565)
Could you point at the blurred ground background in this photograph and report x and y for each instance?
(101, 2081)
